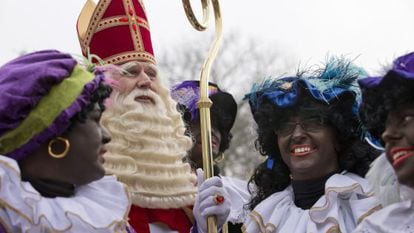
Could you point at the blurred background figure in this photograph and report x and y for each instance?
(222, 114)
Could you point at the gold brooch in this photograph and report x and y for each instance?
(286, 86)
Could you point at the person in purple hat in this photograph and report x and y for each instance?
(387, 111)
(223, 114)
(51, 147)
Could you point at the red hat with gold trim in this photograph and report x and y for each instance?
(116, 31)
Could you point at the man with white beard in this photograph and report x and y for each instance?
(148, 134)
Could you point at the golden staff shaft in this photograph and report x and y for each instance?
(204, 102)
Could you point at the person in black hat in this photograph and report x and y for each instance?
(223, 114)
(387, 111)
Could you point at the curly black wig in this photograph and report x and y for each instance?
(223, 111)
(377, 102)
(354, 155)
(219, 120)
(98, 97)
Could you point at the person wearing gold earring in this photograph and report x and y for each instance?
(219, 158)
(58, 155)
(223, 114)
(51, 149)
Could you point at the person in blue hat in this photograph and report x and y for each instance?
(312, 180)
(51, 149)
(387, 111)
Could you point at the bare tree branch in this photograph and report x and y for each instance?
(240, 62)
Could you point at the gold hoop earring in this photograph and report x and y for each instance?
(63, 154)
(219, 158)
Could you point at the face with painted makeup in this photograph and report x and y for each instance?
(196, 155)
(307, 146)
(399, 142)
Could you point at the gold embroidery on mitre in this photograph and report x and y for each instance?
(120, 21)
(84, 18)
(120, 58)
(90, 22)
(133, 26)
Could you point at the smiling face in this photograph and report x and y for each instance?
(307, 146)
(399, 142)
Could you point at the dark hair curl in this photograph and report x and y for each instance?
(218, 120)
(377, 102)
(98, 97)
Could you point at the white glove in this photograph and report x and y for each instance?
(205, 204)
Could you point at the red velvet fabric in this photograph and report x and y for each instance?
(123, 30)
(175, 219)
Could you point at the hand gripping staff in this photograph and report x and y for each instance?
(204, 102)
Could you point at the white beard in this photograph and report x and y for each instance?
(146, 151)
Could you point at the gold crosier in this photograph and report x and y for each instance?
(204, 102)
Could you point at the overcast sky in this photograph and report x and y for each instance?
(374, 30)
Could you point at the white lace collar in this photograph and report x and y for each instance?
(101, 206)
(345, 203)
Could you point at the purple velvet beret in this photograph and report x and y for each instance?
(402, 68)
(380, 95)
(24, 82)
(224, 108)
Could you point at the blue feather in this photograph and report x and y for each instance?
(337, 76)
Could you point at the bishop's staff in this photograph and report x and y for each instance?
(204, 102)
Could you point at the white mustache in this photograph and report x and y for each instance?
(140, 92)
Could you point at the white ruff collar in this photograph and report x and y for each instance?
(101, 206)
(344, 204)
(397, 217)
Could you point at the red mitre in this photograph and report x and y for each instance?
(116, 31)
